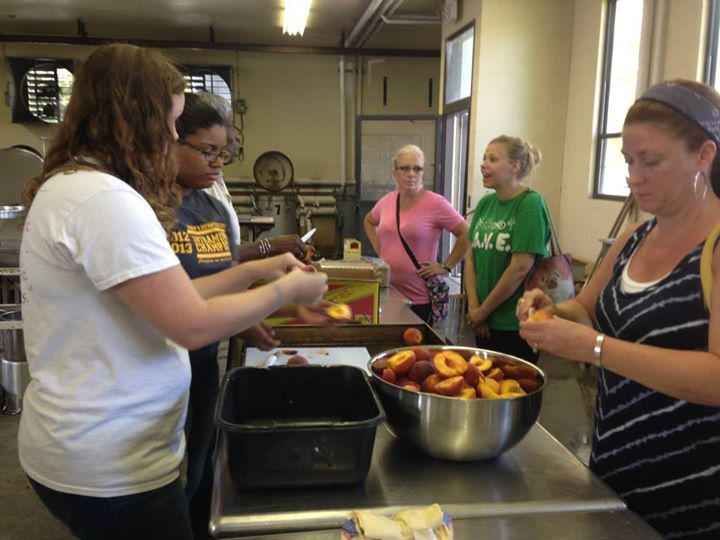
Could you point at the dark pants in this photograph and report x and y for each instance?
(422, 311)
(200, 433)
(508, 342)
(160, 513)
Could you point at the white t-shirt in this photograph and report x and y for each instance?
(104, 411)
(220, 191)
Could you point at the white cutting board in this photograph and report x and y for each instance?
(328, 356)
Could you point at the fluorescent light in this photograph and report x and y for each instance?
(296, 14)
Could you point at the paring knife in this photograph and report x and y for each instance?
(308, 235)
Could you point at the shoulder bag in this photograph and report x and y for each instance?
(706, 276)
(553, 274)
(438, 289)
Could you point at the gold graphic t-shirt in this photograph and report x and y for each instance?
(202, 240)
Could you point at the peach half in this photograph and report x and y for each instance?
(540, 315)
(450, 387)
(401, 362)
(449, 364)
(339, 312)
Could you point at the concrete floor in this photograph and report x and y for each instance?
(567, 411)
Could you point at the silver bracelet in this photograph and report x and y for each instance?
(264, 247)
(597, 351)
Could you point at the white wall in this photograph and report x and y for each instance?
(521, 70)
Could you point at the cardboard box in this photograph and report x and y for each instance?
(363, 297)
(352, 249)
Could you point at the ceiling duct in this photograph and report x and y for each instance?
(371, 21)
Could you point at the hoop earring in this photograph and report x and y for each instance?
(700, 196)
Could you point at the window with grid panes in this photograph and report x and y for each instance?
(621, 62)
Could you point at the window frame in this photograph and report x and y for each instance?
(462, 103)
(601, 133)
(713, 37)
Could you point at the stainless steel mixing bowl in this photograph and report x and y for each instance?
(453, 428)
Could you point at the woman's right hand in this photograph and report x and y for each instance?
(533, 300)
(303, 287)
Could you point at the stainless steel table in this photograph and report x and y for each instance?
(538, 485)
(395, 308)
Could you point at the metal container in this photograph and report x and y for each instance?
(13, 345)
(14, 377)
(458, 429)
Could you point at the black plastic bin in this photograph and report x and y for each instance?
(296, 426)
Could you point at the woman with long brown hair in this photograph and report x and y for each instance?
(109, 313)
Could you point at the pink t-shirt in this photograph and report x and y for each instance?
(421, 228)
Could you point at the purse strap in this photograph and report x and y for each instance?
(404, 243)
(706, 276)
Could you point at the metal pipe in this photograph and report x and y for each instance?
(246, 47)
(369, 13)
(412, 19)
(342, 121)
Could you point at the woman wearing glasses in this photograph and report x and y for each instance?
(509, 228)
(266, 247)
(423, 216)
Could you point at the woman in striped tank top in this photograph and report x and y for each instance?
(643, 321)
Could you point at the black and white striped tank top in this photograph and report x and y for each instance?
(660, 454)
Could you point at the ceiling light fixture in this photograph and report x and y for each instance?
(296, 14)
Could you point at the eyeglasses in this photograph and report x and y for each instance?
(209, 155)
(408, 168)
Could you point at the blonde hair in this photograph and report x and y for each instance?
(408, 149)
(525, 153)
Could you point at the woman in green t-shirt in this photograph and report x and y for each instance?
(509, 229)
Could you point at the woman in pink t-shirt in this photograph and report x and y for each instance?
(423, 217)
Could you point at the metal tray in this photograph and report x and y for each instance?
(375, 337)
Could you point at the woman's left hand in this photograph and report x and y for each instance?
(287, 243)
(430, 269)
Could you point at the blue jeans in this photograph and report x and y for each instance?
(152, 515)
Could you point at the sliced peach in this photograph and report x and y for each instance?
(429, 384)
(472, 375)
(412, 336)
(389, 375)
(468, 393)
(529, 385)
(483, 364)
(510, 385)
(379, 365)
(410, 385)
(401, 362)
(493, 384)
(518, 371)
(487, 392)
(449, 364)
(339, 312)
(451, 386)
(495, 373)
(421, 370)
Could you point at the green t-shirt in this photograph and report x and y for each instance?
(499, 229)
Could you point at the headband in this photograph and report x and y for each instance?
(687, 101)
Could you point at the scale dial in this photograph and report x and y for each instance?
(273, 171)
